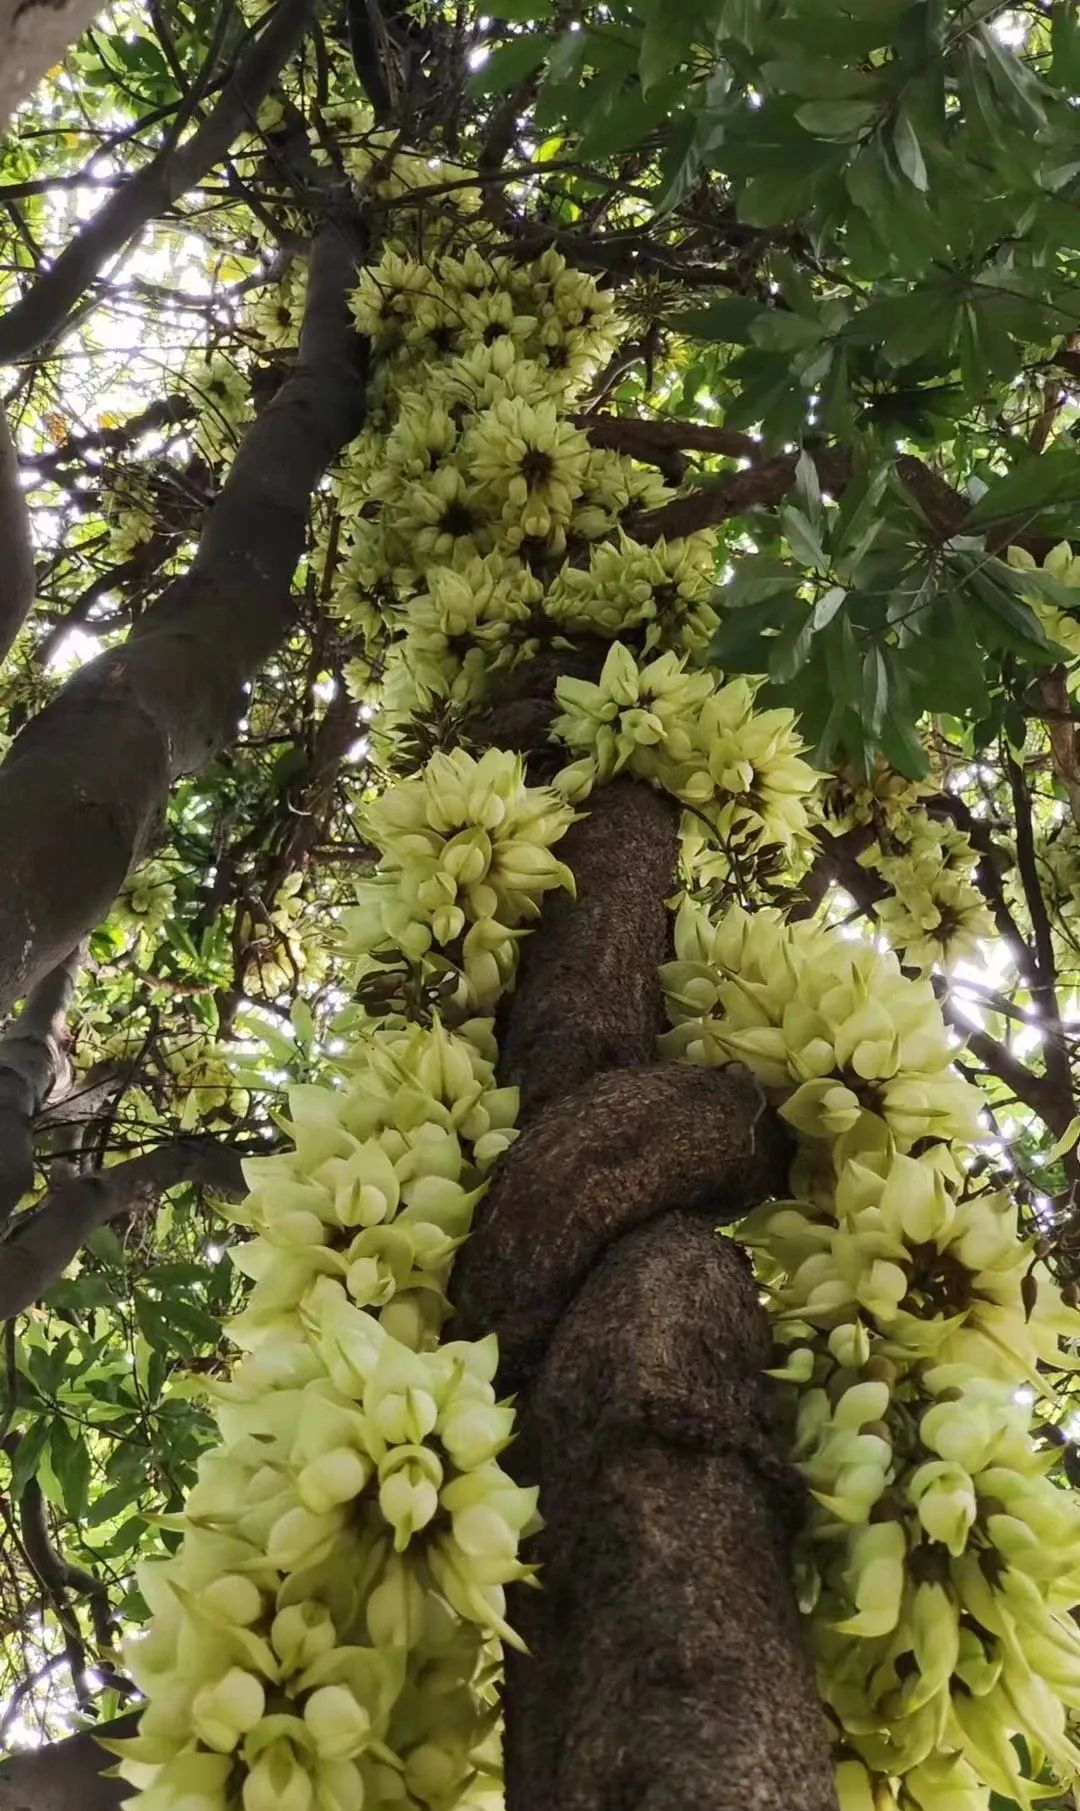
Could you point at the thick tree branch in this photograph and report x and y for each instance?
(665, 443)
(17, 577)
(32, 1063)
(41, 313)
(764, 485)
(81, 788)
(41, 1248)
(66, 1776)
(34, 34)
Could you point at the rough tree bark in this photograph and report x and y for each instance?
(666, 1666)
(82, 787)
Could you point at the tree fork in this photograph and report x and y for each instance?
(666, 1666)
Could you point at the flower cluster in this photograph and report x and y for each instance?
(936, 915)
(323, 1637)
(481, 518)
(941, 1563)
(467, 858)
(222, 393)
(678, 728)
(146, 899)
(1062, 567)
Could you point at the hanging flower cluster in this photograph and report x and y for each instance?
(941, 1563)
(467, 859)
(146, 899)
(326, 1635)
(323, 1637)
(936, 915)
(1057, 576)
(740, 769)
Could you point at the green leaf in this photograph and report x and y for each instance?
(680, 166)
(303, 1022)
(28, 1454)
(827, 605)
(842, 659)
(808, 490)
(1007, 622)
(729, 319)
(660, 51)
(518, 11)
(112, 1502)
(70, 1463)
(741, 644)
(818, 81)
(619, 119)
(790, 650)
(901, 745)
(874, 696)
(836, 119)
(801, 537)
(106, 1246)
(509, 64)
(1051, 477)
(909, 152)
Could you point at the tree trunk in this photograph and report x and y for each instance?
(666, 1667)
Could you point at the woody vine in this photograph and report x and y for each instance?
(330, 1632)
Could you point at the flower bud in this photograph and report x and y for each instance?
(277, 1782)
(339, 1727)
(300, 1633)
(223, 1712)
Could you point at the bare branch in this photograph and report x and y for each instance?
(32, 1063)
(17, 577)
(41, 1248)
(41, 313)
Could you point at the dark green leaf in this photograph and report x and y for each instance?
(836, 119)
(510, 63)
(789, 651)
(909, 152)
(519, 11)
(802, 537)
(1050, 477)
(874, 696)
(729, 319)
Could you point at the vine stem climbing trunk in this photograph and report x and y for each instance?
(666, 1667)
